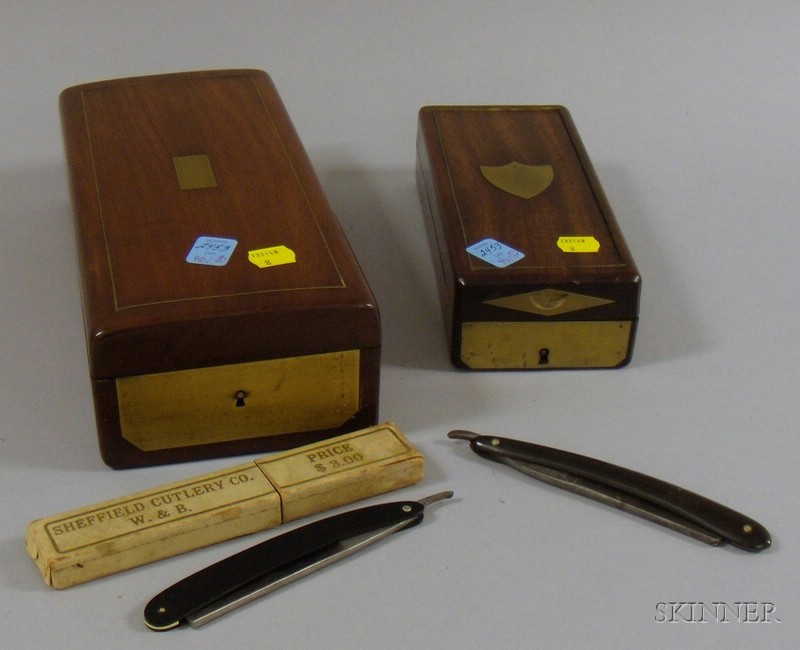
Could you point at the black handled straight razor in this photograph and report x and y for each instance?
(279, 561)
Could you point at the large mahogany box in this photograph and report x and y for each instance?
(533, 270)
(225, 312)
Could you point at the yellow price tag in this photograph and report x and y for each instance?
(578, 244)
(273, 256)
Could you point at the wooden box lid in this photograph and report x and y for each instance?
(519, 176)
(181, 183)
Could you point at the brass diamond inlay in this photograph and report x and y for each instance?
(548, 302)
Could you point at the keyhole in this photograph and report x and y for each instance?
(544, 356)
(240, 395)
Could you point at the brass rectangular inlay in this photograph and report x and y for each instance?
(194, 172)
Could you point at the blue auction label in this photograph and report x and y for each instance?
(211, 251)
(495, 253)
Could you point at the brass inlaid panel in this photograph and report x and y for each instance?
(239, 401)
(538, 345)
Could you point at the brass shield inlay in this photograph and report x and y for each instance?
(524, 181)
(194, 172)
(548, 302)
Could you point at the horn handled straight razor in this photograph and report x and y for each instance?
(626, 489)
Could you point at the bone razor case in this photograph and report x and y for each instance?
(225, 312)
(532, 267)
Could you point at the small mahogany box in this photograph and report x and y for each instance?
(532, 268)
(225, 312)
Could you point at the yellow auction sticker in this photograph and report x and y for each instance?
(273, 256)
(578, 244)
